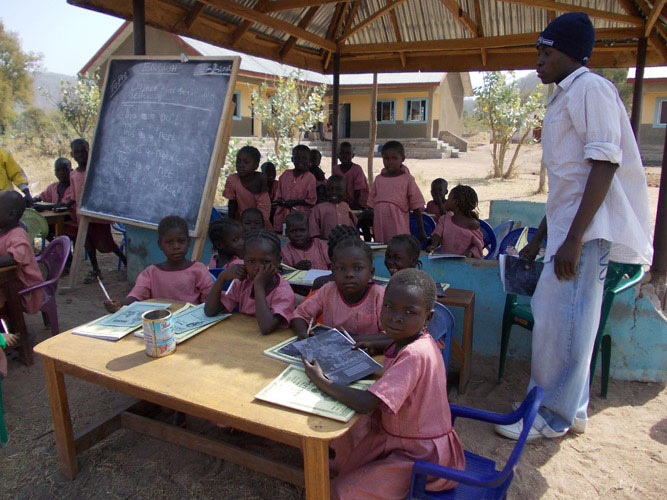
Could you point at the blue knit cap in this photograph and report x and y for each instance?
(572, 33)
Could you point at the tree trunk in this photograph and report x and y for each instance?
(542, 187)
(510, 170)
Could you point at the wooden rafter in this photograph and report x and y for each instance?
(245, 24)
(370, 19)
(193, 14)
(460, 15)
(656, 41)
(480, 28)
(397, 31)
(296, 4)
(291, 41)
(334, 28)
(653, 17)
(351, 16)
(566, 7)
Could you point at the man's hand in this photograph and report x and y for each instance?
(567, 258)
(530, 251)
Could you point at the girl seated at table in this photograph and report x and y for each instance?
(402, 253)
(227, 239)
(352, 301)
(60, 194)
(260, 291)
(177, 278)
(303, 251)
(409, 415)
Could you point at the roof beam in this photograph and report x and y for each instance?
(245, 25)
(258, 17)
(460, 15)
(480, 27)
(370, 19)
(566, 7)
(295, 4)
(193, 14)
(657, 9)
(351, 16)
(656, 41)
(334, 28)
(291, 41)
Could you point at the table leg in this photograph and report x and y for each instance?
(62, 423)
(466, 341)
(15, 311)
(59, 226)
(316, 469)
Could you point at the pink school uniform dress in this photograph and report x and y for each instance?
(458, 239)
(235, 190)
(317, 253)
(191, 284)
(355, 180)
(281, 300)
(433, 209)
(362, 318)
(16, 243)
(325, 216)
(213, 263)
(51, 195)
(273, 191)
(413, 422)
(392, 199)
(294, 188)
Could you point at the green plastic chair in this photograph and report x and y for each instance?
(620, 277)
(36, 225)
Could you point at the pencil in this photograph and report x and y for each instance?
(347, 335)
(310, 326)
(106, 294)
(4, 326)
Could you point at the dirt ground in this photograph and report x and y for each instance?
(623, 453)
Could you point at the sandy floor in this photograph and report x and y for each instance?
(622, 455)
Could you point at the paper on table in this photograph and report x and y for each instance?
(439, 255)
(193, 318)
(96, 330)
(293, 389)
(131, 315)
(313, 274)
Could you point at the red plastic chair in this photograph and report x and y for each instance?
(53, 258)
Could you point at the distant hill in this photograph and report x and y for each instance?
(48, 83)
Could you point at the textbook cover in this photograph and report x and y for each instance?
(519, 276)
(131, 315)
(287, 353)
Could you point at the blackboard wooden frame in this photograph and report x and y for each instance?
(218, 155)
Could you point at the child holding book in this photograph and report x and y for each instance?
(356, 183)
(436, 206)
(227, 239)
(458, 231)
(333, 212)
(247, 188)
(303, 251)
(177, 278)
(296, 188)
(261, 292)
(411, 417)
(394, 195)
(402, 253)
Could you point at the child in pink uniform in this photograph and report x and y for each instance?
(303, 251)
(251, 220)
(16, 249)
(331, 213)
(436, 206)
(60, 193)
(411, 418)
(352, 300)
(259, 291)
(176, 278)
(394, 194)
(402, 253)
(356, 183)
(320, 179)
(247, 188)
(269, 170)
(227, 239)
(458, 231)
(296, 188)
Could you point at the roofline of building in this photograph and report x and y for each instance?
(661, 79)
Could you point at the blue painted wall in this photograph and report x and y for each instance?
(528, 213)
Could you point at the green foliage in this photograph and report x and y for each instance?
(288, 108)
(80, 104)
(46, 133)
(15, 78)
(619, 77)
(508, 115)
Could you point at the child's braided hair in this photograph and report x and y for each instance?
(263, 235)
(338, 234)
(466, 200)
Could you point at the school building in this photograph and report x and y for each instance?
(410, 105)
(653, 115)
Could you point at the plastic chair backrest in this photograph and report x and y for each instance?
(513, 236)
(215, 215)
(53, 258)
(490, 242)
(441, 327)
(118, 226)
(35, 224)
(501, 230)
(429, 226)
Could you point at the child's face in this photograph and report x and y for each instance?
(403, 315)
(450, 204)
(174, 244)
(298, 233)
(345, 155)
(335, 191)
(351, 270)
(301, 159)
(392, 160)
(231, 244)
(245, 165)
(270, 173)
(62, 171)
(439, 191)
(258, 255)
(80, 153)
(252, 222)
(397, 257)
(315, 158)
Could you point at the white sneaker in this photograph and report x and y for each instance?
(539, 429)
(578, 427)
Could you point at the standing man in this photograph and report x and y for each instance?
(597, 211)
(12, 175)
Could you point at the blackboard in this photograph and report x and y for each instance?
(157, 144)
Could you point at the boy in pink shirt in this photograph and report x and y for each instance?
(60, 193)
(269, 170)
(16, 250)
(331, 213)
(436, 206)
(296, 188)
(302, 251)
(355, 179)
(247, 188)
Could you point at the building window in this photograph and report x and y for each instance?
(385, 111)
(415, 110)
(236, 102)
(660, 119)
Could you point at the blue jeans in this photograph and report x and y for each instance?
(567, 315)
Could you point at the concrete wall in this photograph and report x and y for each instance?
(652, 137)
(451, 104)
(528, 213)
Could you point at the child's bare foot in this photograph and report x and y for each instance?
(11, 339)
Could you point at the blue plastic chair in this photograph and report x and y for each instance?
(501, 230)
(513, 236)
(480, 479)
(429, 227)
(120, 228)
(215, 215)
(490, 242)
(441, 327)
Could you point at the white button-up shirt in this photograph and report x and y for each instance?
(586, 120)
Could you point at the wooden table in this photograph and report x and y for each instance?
(10, 283)
(213, 376)
(462, 352)
(56, 219)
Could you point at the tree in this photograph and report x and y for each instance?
(619, 77)
(286, 109)
(80, 103)
(508, 115)
(15, 78)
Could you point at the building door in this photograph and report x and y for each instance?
(344, 121)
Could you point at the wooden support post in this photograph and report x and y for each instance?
(139, 27)
(336, 104)
(659, 265)
(635, 117)
(372, 134)
(77, 256)
(429, 115)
